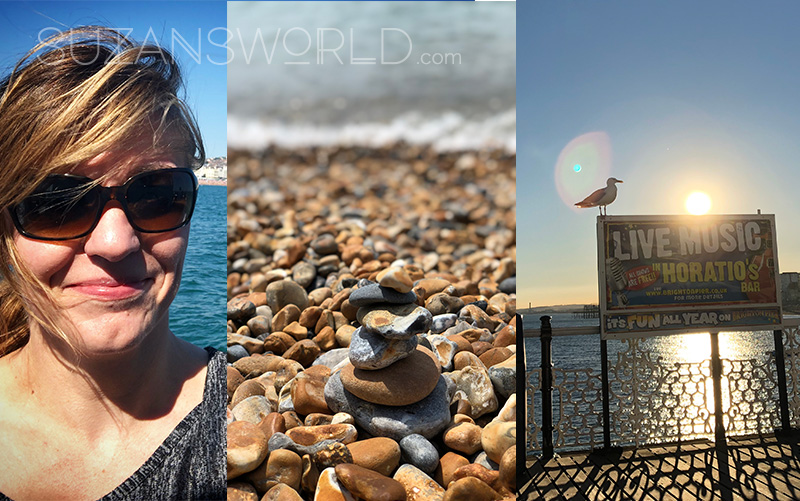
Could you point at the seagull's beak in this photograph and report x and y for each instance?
(619, 180)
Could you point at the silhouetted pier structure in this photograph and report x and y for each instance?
(764, 467)
(589, 311)
(640, 428)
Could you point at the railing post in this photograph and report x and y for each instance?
(547, 388)
(716, 376)
(783, 393)
(522, 390)
(606, 392)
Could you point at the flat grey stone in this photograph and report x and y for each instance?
(441, 323)
(428, 417)
(395, 321)
(374, 293)
(509, 285)
(235, 352)
(372, 351)
(460, 326)
(418, 451)
(332, 358)
(504, 380)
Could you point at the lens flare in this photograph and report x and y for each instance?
(698, 203)
(583, 166)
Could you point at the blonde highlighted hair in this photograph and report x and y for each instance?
(80, 93)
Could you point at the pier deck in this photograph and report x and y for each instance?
(763, 467)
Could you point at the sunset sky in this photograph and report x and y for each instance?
(671, 97)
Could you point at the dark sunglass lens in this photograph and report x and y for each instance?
(62, 207)
(161, 201)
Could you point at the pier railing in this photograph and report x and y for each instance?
(635, 398)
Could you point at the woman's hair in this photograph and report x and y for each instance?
(79, 93)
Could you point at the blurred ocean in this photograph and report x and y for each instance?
(371, 74)
(198, 312)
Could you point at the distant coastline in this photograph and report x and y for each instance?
(212, 182)
(214, 172)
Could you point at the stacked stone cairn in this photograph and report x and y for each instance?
(388, 385)
(391, 386)
(371, 335)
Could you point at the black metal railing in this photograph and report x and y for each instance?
(758, 386)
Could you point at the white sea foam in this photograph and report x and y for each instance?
(449, 131)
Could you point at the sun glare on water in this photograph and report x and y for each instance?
(698, 203)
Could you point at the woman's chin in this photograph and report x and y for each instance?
(116, 333)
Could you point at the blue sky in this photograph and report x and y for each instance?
(21, 23)
(680, 95)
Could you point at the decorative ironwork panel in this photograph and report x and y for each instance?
(683, 405)
(749, 396)
(652, 401)
(635, 381)
(533, 399)
(791, 350)
(577, 408)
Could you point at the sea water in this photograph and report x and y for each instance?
(573, 352)
(198, 312)
(287, 85)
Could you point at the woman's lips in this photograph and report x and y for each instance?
(110, 290)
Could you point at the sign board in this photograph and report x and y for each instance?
(677, 274)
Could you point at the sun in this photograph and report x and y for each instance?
(698, 203)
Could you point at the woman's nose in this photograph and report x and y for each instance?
(113, 238)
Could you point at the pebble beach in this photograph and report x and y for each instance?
(371, 337)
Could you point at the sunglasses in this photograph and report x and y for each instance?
(65, 206)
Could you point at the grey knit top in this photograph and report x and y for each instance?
(190, 463)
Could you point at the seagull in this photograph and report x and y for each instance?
(601, 197)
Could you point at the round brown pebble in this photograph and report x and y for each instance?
(249, 388)
(310, 435)
(495, 356)
(308, 394)
(395, 278)
(328, 487)
(448, 464)
(234, 379)
(508, 469)
(466, 359)
(284, 292)
(240, 309)
(497, 437)
(272, 423)
(470, 489)
(285, 316)
(282, 492)
(418, 485)
(478, 471)
(304, 352)
(246, 449)
(463, 437)
(380, 454)
(505, 337)
(281, 466)
(369, 485)
(241, 491)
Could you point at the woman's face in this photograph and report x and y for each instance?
(116, 284)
